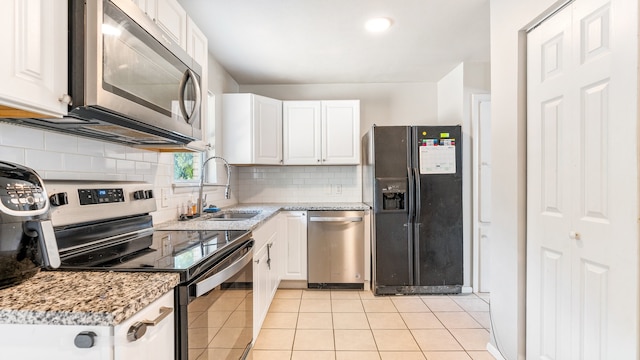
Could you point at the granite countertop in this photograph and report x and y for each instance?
(266, 211)
(82, 298)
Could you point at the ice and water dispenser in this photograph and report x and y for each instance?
(393, 194)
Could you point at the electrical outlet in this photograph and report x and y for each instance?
(338, 189)
(164, 198)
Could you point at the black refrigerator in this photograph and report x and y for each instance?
(412, 178)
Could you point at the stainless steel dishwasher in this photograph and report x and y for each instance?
(335, 249)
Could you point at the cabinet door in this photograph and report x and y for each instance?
(341, 132)
(261, 293)
(267, 124)
(33, 71)
(158, 342)
(53, 342)
(301, 123)
(294, 241)
(197, 48)
(172, 18)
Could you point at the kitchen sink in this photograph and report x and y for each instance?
(233, 216)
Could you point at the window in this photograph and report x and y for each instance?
(186, 167)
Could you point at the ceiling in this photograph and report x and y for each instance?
(324, 41)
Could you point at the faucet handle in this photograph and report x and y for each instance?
(204, 201)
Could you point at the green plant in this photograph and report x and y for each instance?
(183, 166)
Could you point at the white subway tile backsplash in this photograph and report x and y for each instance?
(135, 177)
(150, 156)
(299, 184)
(103, 165)
(115, 151)
(20, 136)
(126, 166)
(61, 143)
(77, 163)
(134, 154)
(90, 147)
(143, 168)
(40, 160)
(12, 154)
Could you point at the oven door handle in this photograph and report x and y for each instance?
(209, 283)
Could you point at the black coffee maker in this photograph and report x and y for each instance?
(27, 240)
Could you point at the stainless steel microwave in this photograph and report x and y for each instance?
(128, 81)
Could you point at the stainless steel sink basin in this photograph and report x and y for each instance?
(233, 216)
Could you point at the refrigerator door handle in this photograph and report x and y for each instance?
(410, 194)
(410, 226)
(417, 191)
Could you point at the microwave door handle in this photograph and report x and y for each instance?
(183, 84)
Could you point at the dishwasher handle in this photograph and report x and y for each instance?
(335, 218)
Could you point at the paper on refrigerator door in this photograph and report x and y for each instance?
(438, 159)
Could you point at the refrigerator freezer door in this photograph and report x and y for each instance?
(392, 231)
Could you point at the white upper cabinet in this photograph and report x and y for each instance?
(197, 46)
(198, 49)
(33, 72)
(302, 126)
(322, 132)
(252, 129)
(172, 18)
(341, 132)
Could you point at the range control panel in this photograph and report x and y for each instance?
(100, 196)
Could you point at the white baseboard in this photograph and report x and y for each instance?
(467, 289)
(494, 351)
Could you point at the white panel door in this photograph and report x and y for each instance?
(301, 122)
(582, 200)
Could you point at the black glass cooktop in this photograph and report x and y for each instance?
(186, 252)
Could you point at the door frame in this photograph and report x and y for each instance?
(477, 267)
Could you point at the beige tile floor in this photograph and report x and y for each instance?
(354, 325)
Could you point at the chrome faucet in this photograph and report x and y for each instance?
(200, 202)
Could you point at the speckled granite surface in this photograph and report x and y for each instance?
(82, 298)
(266, 212)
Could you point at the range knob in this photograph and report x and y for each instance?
(59, 199)
(143, 194)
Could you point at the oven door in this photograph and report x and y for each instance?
(216, 309)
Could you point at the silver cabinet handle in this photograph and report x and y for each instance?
(335, 219)
(139, 328)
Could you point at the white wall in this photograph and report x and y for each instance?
(454, 108)
(450, 97)
(508, 110)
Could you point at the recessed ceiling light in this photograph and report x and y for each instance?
(377, 24)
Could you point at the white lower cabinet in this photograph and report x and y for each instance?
(82, 342)
(266, 274)
(294, 243)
